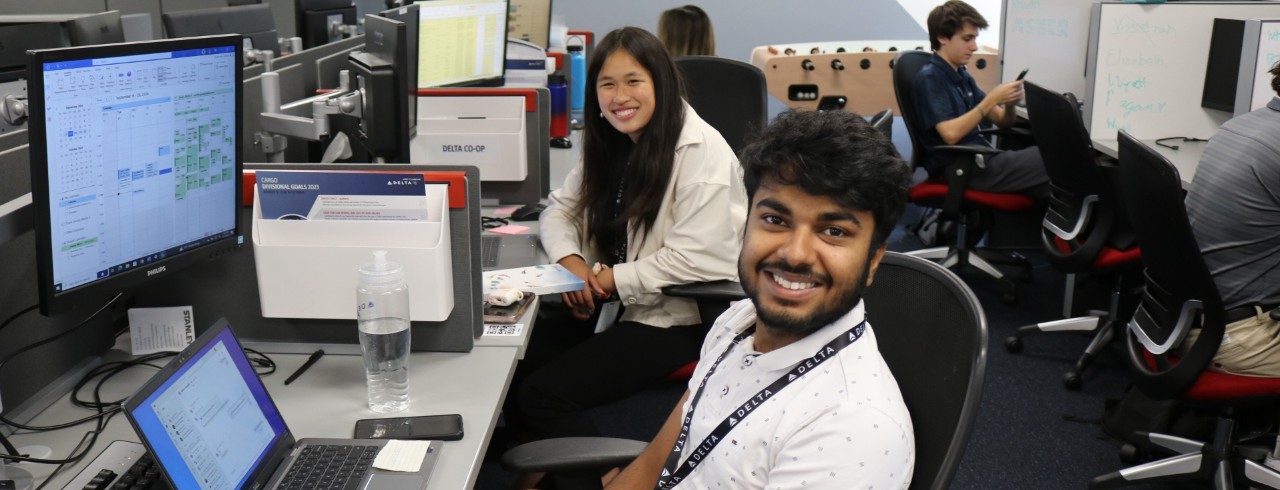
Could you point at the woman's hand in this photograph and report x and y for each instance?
(581, 303)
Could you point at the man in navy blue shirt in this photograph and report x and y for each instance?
(951, 106)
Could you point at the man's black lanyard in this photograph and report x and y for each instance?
(671, 475)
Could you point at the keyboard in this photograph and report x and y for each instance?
(122, 466)
(324, 467)
(489, 247)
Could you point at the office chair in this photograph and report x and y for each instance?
(883, 122)
(1084, 229)
(937, 354)
(729, 94)
(948, 188)
(1180, 295)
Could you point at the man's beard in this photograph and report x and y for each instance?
(784, 321)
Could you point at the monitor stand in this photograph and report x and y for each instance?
(9, 472)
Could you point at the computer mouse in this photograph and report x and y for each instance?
(528, 212)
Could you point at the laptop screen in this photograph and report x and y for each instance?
(210, 422)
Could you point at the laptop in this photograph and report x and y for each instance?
(210, 424)
(498, 252)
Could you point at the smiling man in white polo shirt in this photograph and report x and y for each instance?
(791, 390)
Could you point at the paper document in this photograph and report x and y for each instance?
(400, 455)
(154, 330)
(377, 196)
(538, 279)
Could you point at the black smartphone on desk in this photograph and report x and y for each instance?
(433, 427)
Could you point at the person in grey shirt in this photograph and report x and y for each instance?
(1234, 206)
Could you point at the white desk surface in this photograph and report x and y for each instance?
(1185, 158)
(326, 401)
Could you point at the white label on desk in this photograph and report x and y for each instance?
(503, 330)
(154, 330)
(400, 455)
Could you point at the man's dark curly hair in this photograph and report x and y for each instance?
(834, 154)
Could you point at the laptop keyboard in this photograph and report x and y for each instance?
(323, 467)
(144, 474)
(489, 246)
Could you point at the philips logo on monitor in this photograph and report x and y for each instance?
(155, 271)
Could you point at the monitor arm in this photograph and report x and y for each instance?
(308, 118)
(13, 108)
(338, 29)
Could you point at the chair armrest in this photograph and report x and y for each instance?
(1016, 132)
(571, 453)
(969, 149)
(714, 290)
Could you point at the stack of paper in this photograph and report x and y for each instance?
(538, 279)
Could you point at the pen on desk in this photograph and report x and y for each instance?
(315, 356)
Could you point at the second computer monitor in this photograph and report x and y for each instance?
(382, 69)
(462, 43)
(103, 28)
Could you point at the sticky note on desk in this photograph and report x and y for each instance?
(510, 230)
(400, 455)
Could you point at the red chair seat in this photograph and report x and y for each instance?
(685, 372)
(1214, 386)
(934, 190)
(1108, 257)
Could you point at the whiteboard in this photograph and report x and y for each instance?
(1049, 37)
(1148, 67)
(1261, 52)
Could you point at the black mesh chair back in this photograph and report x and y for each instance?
(1082, 203)
(883, 122)
(905, 67)
(1180, 293)
(937, 354)
(729, 94)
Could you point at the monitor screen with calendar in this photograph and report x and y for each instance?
(135, 163)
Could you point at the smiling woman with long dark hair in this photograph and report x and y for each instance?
(656, 201)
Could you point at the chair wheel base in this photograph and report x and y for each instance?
(1072, 381)
(1129, 454)
(1013, 344)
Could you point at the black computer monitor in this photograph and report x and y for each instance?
(18, 38)
(253, 21)
(316, 16)
(409, 15)
(103, 28)
(135, 163)
(1223, 68)
(462, 43)
(530, 20)
(382, 70)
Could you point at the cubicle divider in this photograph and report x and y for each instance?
(1048, 37)
(537, 123)
(1149, 65)
(228, 287)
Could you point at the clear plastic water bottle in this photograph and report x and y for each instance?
(382, 314)
(577, 84)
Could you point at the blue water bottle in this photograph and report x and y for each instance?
(577, 84)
